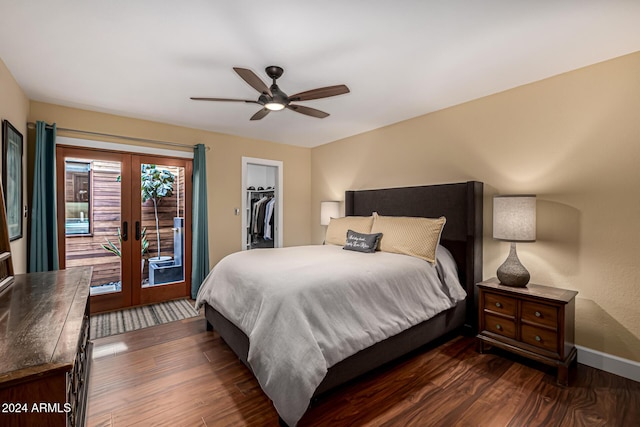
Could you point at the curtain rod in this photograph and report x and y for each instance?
(32, 125)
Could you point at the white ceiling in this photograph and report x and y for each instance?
(401, 59)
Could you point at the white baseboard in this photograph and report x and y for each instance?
(609, 363)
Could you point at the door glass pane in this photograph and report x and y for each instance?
(92, 220)
(163, 208)
(77, 203)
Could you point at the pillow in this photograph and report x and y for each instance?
(338, 227)
(418, 237)
(360, 242)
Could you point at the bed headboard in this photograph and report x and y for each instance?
(460, 203)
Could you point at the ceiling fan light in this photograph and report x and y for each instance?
(274, 106)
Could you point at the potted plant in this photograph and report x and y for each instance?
(156, 184)
(111, 247)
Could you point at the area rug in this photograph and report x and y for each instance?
(131, 319)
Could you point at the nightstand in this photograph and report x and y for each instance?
(537, 322)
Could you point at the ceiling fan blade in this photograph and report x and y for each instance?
(308, 111)
(225, 99)
(260, 114)
(323, 92)
(253, 80)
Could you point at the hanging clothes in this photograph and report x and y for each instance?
(255, 214)
(262, 210)
(268, 219)
(255, 204)
(261, 221)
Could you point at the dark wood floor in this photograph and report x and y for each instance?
(180, 375)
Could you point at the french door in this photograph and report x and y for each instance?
(128, 216)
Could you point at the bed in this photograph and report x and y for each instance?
(461, 204)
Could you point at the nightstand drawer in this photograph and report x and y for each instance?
(500, 325)
(539, 313)
(540, 337)
(500, 304)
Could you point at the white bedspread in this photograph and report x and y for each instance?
(307, 308)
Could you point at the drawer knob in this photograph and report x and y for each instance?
(538, 338)
(498, 327)
(538, 314)
(498, 305)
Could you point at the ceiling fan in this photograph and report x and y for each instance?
(273, 99)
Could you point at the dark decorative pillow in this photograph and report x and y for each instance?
(362, 242)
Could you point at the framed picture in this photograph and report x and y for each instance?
(12, 178)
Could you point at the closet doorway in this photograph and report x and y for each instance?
(128, 216)
(261, 203)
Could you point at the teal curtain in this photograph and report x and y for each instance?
(43, 247)
(200, 252)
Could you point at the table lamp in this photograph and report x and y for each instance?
(329, 210)
(514, 220)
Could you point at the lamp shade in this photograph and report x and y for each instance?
(514, 218)
(329, 210)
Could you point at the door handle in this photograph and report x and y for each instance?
(125, 231)
(137, 230)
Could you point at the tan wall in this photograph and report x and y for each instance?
(224, 169)
(14, 106)
(574, 140)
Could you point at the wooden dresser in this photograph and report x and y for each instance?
(45, 352)
(536, 322)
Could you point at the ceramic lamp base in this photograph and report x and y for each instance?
(512, 272)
